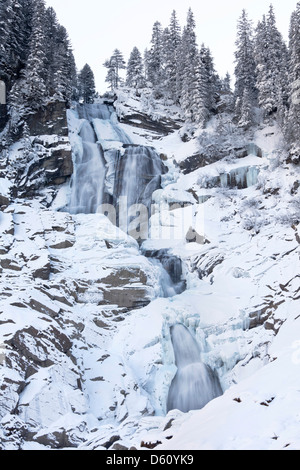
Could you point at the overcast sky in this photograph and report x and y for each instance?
(97, 27)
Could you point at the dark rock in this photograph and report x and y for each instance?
(124, 276)
(43, 272)
(3, 116)
(4, 201)
(60, 439)
(163, 127)
(118, 446)
(62, 245)
(41, 308)
(111, 441)
(10, 264)
(129, 298)
(203, 159)
(49, 120)
(195, 162)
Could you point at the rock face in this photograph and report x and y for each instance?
(51, 120)
(3, 116)
(201, 160)
(49, 162)
(161, 127)
(44, 282)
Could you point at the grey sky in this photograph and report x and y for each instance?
(97, 27)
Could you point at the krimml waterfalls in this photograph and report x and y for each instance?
(108, 167)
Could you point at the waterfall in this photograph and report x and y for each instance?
(195, 383)
(171, 279)
(89, 174)
(109, 166)
(138, 175)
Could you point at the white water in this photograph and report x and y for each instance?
(89, 174)
(195, 384)
(136, 175)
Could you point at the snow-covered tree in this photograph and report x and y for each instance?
(86, 84)
(13, 38)
(292, 127)
(271, 65)
(189, 61)
(155, 56)
(245, 69)
(171, 43)
(135, 70)
(114, 65)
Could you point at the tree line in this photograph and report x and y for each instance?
(267, 72)
(36, 59)
(38, 65)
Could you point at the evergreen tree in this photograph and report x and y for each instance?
(114, 65)
(226, 84)
(292, 127)
(245, 69)
(171, 43)
(12, 38)
(135, 70)
(189, 60)
(35, 90)
(194, 85)
(213, 83)
(173, 57)
(271, 65)
(86, 84)
(155, 56)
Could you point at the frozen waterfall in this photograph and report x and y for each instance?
(195, 383)
(108, 168)
(89, 174)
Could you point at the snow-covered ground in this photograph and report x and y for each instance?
(85, 369)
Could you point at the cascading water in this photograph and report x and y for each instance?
(109, 167)
(89, 174)
(195, 383)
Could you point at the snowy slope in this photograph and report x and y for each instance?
(85, 369)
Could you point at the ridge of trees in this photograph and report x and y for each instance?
(267, 72)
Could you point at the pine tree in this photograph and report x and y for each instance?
(271, 65)
(195, 88)
(12, 38)
(114, 65)
(292, 127)
(171, 40)
(245, 69)
(155, 56)
(29, 93)
(135, 70)
(212, 79)
(173, 57)
(226, 84)
(4, 38)
(86, 84)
